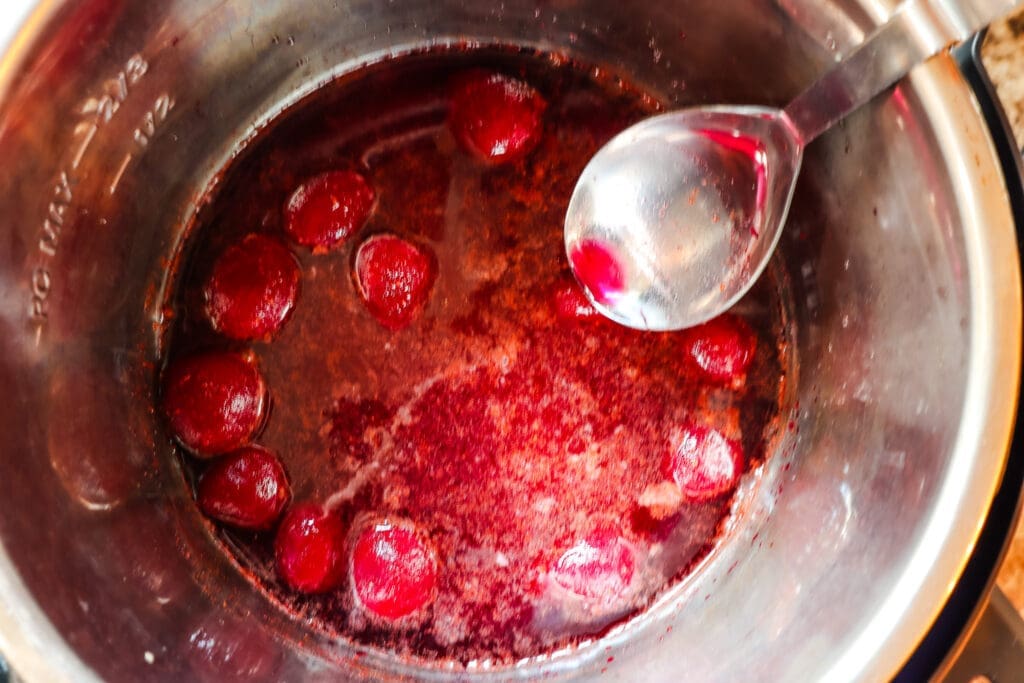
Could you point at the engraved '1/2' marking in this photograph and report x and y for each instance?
(151, 122)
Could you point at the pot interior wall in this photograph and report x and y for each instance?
(117, 123)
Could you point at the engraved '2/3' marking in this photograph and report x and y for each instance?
(97, 111)
(101, 109)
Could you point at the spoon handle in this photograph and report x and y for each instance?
(916, 30)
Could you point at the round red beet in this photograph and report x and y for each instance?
(497, 118)
(247, 489)
(252, 289)
(310, 549)
(214, 402)
(598, 568)
(328, 208)
(722, 348)
(394, 571)
(703, 463)
(394, 278)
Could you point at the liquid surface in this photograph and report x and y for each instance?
(527, 445)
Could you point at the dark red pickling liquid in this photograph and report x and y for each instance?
(515, 435)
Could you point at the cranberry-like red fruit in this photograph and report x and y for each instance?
(598, 270)
(599, 567)
(703, 463)
(394, 278)
(252, 289)
(571, 304)
(328, 208)
(247, 489)
(722, 348)
(394, 571)
(497, 118)
(214, 402)
(310, 549)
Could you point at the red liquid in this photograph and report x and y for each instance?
(518, 439)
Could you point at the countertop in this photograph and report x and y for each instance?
(1003, 54)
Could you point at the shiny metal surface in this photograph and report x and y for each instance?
(673, 221)
(900, 264)
(915, 31)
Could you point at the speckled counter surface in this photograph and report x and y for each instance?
(1003, 54)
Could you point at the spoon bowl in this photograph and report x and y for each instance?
(686, 204)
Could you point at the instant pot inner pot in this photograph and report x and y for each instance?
(118, 122)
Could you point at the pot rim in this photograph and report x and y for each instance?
(989, 412)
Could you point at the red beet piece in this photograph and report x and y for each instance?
(394, 571)
(310, 549)
(214, 402)
(497, 118)
(598, 270)
(394, 278)
(571, 304)
(247, 489)
(597, 568)
(328, 208)
(703, 463)
(252, 289)
(722, 348)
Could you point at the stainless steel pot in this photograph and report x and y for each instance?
(900, 261)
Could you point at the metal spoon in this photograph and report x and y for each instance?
(674, 219)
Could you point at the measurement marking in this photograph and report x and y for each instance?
(120, 172)
(93, 115)
(152, 120)
(90, 133)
